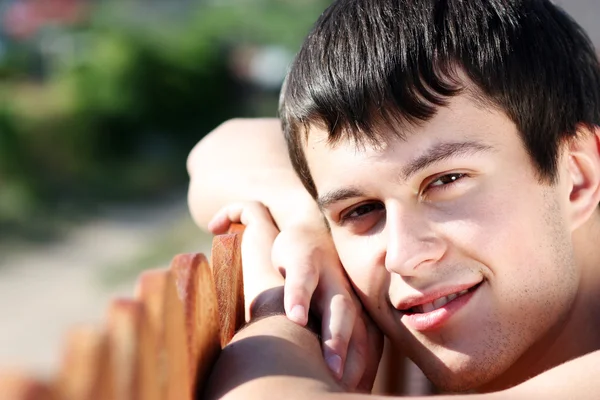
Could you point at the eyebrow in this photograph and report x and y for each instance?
(435, 154)
(440, 152)
(336, 195)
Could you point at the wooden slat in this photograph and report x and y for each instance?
(150, 290)
(133, 354)
(86, 370)
(237, 229)
(16, 386)
(196, 290)
(227, 271)
(157, 290)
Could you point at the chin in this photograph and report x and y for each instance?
(458, 383)
(461, 375)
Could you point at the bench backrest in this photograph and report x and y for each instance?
(159, 344)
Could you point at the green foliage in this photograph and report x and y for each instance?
(279, 22)
(13, 62)
(118, 118)
(133, 98)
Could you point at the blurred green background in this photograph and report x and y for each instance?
(100, 101)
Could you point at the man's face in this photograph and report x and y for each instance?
(457, 250)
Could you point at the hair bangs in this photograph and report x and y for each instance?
(383, 87)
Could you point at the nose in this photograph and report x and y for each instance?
(411, 242)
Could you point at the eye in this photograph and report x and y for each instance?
(361, 211)
(442, 187)
(445, 180)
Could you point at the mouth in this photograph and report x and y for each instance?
(439, 302)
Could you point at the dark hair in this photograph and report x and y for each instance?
(373, 62)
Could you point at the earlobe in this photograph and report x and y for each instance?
(584, 173)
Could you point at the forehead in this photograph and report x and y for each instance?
(461, 110)
(462, 120)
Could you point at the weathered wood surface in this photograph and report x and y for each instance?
(85, 373)
(159, 344)
(227, 271)
(196, 289)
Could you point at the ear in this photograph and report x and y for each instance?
(583, 158)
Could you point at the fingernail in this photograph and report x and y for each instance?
(298, 314)
(335, 364)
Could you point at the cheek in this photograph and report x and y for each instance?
(522, 246)
(360, 259)
(542, 263)
(503, 230)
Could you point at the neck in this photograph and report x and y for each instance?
(578, 333)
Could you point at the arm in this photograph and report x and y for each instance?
(275, 358)
(247, 160)
(271, 358)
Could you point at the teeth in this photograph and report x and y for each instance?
(429, 307)
(437, 303)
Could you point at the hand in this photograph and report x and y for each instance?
(259, 235)
(315, 279)
(306, 257)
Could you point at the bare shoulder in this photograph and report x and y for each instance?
(575, 379)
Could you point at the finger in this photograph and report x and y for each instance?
(256, 249)
(374, 349)
(301, 275)
(220, 222)
(356, 361)
(252, 213)
(247, 213)
(300, 284)
(338, 323)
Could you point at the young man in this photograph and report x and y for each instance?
(453, 149)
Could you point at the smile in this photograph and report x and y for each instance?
(432, 313)
(439, 302)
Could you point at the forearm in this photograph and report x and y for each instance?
(272, 358)
(247, 160)
(275, 358)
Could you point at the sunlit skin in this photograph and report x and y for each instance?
(456, 203)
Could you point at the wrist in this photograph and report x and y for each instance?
(270, 303)
(294, 206)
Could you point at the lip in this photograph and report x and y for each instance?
(435, 319)
(416, 300)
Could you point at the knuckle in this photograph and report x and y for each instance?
(296, 292)
(307, 272)
(343, 303)
(337, 343)
(341, 340)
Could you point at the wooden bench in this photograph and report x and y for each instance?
(162, 342)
